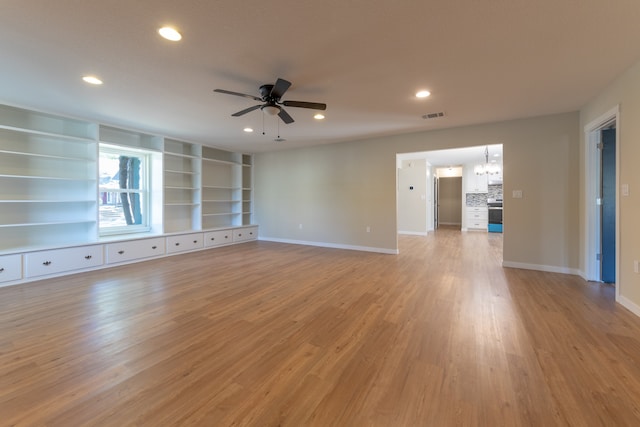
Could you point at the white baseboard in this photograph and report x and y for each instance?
(413, 233)
(332, 245)
(538, 267)
(629, 305)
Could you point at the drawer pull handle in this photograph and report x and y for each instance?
(213, 238)
(195, 241)
(120, 252)
(239, 234)
(226, 237)
(153, 247)
(177, 244)
(1, 269)
(46, 263)
(250, 233)
(88, 257)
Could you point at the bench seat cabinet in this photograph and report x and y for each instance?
(134, 249)
(10, 267)
(61, 260)
(218, 238)
(184, 242)
(244, 234)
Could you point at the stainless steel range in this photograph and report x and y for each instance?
(495, 215)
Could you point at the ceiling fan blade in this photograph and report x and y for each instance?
(302, 104)
(285, 116)
(280, 88)
(244, 95)
(246, 110)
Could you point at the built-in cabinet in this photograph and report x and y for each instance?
(48, 180)
(226, 188)
(49, 196)
(182, 165)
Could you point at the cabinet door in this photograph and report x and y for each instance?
(184, 242)
(10, 268)
(135, 249)
(60, 260)
(244, 234)
(217, 238)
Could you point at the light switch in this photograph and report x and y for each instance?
(517, 194)
(625, 189)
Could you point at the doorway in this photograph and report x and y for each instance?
(602, 199)
(608, 205)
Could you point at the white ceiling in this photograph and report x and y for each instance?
(483, 61)
(458, 156)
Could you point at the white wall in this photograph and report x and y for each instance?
(412, 197)
(336, 190)
(625, 92)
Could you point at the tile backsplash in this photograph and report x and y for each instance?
(495, 191)
(480, 199)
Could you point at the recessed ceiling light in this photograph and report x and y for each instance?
(319, 116)
(170, 33)
(423, 94)
(92, 80)
(248, 130)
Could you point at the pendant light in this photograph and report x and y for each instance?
(486, 168)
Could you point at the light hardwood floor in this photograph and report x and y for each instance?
(267, 334)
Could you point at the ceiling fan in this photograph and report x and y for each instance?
(270, 96)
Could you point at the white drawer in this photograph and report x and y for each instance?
(184, 242)
(477, 214)
(480, 224)
(134, 249)
(218, 237)
(59, 260)
(244, 234)
(10, 268)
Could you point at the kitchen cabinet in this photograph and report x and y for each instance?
(475, 183)
(477, 218)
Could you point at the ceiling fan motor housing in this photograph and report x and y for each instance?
(265, 92)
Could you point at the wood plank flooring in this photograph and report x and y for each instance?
(268, 334)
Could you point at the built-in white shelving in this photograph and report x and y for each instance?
(48, 179)
(51, 196)
(182, 208)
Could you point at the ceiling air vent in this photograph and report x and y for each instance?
(430, 116)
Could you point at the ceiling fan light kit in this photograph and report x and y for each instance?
(270, 96)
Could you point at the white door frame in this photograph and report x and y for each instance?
(592, 171)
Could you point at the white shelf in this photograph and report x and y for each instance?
(49, 181)
(40, 224)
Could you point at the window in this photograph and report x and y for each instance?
(124, 190)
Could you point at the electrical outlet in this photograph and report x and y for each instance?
(368, 229)
(636, 266)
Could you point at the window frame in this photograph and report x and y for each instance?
(144, 191)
